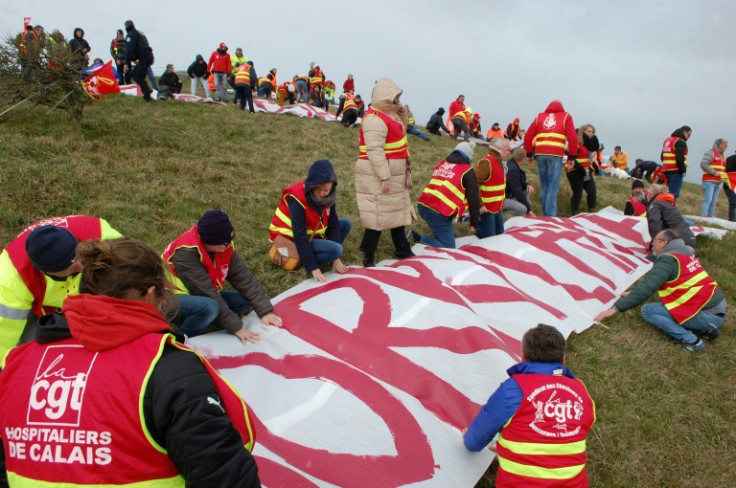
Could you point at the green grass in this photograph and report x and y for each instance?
(665, 418)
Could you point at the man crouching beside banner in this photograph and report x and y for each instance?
(541, 414)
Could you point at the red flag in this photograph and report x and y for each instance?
(729, 179)
(102, 82)
(26, 21)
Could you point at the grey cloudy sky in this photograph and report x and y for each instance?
(636, 70)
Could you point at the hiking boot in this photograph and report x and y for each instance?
(369, 260)
(413, 236)
(696, 346)
(712, 334)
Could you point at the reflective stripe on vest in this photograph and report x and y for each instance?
(640, 210)
(690, 291)
(669, 160)
(545, 439)
(243, 75)
(463, 115)
(281, 221)
(396, 145)
(551, 139)
(216, 270)
(493, 190)
(445, 193)
(349, 103)
(719, 165)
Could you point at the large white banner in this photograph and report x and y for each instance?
(375, 373)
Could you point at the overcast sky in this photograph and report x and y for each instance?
(636, 70)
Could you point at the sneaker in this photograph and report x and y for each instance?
(696, 346)
(712, 334)
(413, 236)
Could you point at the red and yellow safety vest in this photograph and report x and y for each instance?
(445, 192)
(719, 164)
(281, 221)
(317, 79)
(551, 138)
(463, 115)
(543, 444)
(583, 158)
(396, 145)
(687, 294)
(243, 74)
(74, 417)
(493, 190)
(640, 210)
(217, 269)
(349, 103)
(669, 161)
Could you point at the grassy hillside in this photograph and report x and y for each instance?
(665, 418)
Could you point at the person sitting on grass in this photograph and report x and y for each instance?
(541, 414)
(307, 216)
(691, 302)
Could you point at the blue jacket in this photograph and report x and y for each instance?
(503, 404)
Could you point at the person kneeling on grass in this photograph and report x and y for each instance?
(691, 299)
(307, 216)
(541, 414)
(452, 189)
(200, 261)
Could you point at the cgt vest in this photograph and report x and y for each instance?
(71, 416)
(83, 227)
(543, 444)
(396, 145)
(550, 139)
(690, 291)
(719, 164)
(445, 193)
(640, 210)
(493, 190)
(669, 161)
(217, 269)
(281, 221)
(243, 75)
(349, 104)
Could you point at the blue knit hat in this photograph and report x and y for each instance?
(51, 248)
(215, 228)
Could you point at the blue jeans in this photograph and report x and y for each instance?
(731, 203)
(658, 315)
(410, 129)
(197, 312)
(441, 227)
(221, 86)
(710, 198)
(674, 182)
(491, 224)
(302, 91)
(550, 169)
(151, 78)
(326, 251)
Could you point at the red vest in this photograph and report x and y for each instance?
(349, 103)
(669, 161)
(396, 146)
(550, 138)
(493, 190)
(543, 444)
(719, 164)
(281, 222)
(83, 227)
(217, 269)
(75, 417)
(445, 192)
(640, 210)
(687, 294)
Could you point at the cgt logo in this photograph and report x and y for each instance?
(58, 387)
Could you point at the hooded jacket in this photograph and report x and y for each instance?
(219, 62)
(537, 127)
(663, 214)
(197, 69)
(708, 159)
(79, 47)
(378, 210)
(199, 437)
(680, 148)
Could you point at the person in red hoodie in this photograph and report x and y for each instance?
(545, 142)
(457, 105)
(220, 66)
(349, 85)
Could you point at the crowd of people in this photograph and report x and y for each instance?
(99, 280)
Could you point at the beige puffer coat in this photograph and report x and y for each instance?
(382, 211)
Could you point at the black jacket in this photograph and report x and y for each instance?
(169, 79)
(516, 183)
(435, 124)
(137, 47)
(680, 148)
(197, 69)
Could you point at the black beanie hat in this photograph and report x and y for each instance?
(637, 184)
(51, 248)
(214, 228)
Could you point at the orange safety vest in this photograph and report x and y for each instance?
(692, 288)
(217, 269)
(543, 444)
(551, 139)
(396, 145)
(349, 103)
(243, 74)
(445, 192)
(640, 210)
(263, 80)
(74, 417)
(281, 221)
(718, 164)
(493, 190)
(669, 161)
(463, 115)
(83, 227)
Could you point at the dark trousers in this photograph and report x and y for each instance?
(140, 74)
(577, 185)
(244, 94)
(369, 244)
(731, 203)
(349, 117)
(459, 125)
